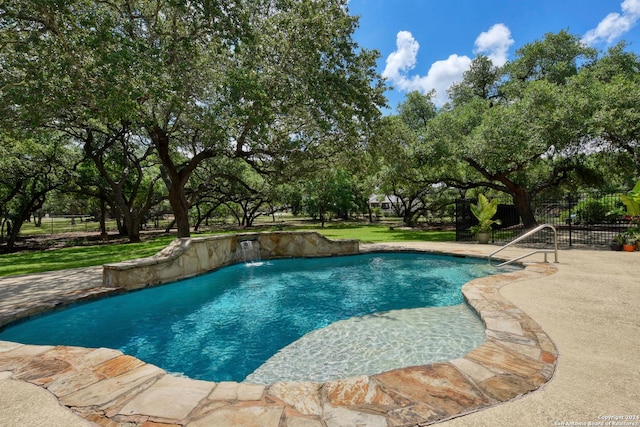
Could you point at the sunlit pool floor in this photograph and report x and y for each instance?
(375, 343)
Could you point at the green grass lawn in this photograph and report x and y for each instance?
(78, 256)
(86, 256)
(381, 234)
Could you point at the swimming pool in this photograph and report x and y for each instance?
(224, 325)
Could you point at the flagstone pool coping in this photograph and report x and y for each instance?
(109, 388)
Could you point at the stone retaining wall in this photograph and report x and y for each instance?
(186, 257)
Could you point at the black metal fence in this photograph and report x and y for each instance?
(589, 219)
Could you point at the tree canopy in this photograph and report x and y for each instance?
(529, 126)
(237, 106)
(273, 83)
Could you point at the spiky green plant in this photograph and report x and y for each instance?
(484, 211)
(632, 201)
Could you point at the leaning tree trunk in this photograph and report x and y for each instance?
(131, 217)
(199, 218)
(14, 229)
(180, 207)
(407, 216)
(132, 225)
(16, 225)
(522, 200)
(103, 218)
(175, 178)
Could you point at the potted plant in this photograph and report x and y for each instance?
(631, 202)
(484, 211)
(617, 242)
(630, 244)
(633, 234)
(633, 238)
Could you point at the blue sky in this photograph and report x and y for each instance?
(427, 44)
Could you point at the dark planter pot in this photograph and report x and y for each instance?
(616, 246)
(483, 237)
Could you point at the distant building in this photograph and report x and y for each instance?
(385, 203)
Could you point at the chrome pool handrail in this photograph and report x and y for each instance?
(524, 236)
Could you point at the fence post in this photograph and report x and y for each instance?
(570, 219)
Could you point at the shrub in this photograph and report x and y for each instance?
(591, 212)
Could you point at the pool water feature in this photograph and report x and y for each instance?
(250, 250)
(223, 325)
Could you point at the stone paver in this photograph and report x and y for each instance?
(302, 397)
(23, 296)
(338, 416)
(234, 416)
(108, 388)
(169, 398)
(106, 393)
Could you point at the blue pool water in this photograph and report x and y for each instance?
(223, 325)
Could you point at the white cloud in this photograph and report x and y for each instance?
(439, 77)
(404, 57)
(614, 24)
(494, 43)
